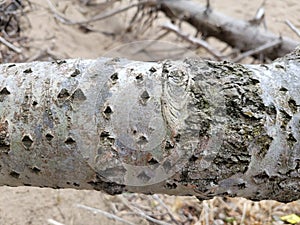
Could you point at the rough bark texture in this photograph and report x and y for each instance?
(187, 127)
(237, 33)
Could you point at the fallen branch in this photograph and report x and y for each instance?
(189, 127)
(237, 33)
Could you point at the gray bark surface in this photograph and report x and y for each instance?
(237, 33)
(177, 127)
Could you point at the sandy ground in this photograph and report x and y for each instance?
(66, 41)
(35, 205)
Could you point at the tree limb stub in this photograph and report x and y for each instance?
(177, 127)
(237, 33)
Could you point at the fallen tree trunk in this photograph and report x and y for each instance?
(236, 33)
(186, 128)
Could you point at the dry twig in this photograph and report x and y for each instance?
(193, 40)
(141, 212)
(260, 16)
(107, 214)
(293, 28)
(62, 18)
(54, 222)
(258, 50)
(169, 212)
(10, 45)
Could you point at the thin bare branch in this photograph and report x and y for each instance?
(10, 45)
(141, 212)
(62, 18)
(157, 198)
(260, 16)
(195, 41)
(107, 214)
(152, 42)
(54, 222)
(258, 50)
(293, 28)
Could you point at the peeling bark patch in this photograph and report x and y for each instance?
(243, 118)
(27, 141)
(263, 142)
(261, 177)
(271, 111)
(3, 93)
(4, 138)
(237, 98)
(290, 192)
(14, 174)
(188, 103)
(78, 95)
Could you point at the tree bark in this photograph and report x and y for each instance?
(177, 127)
(237, 33)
